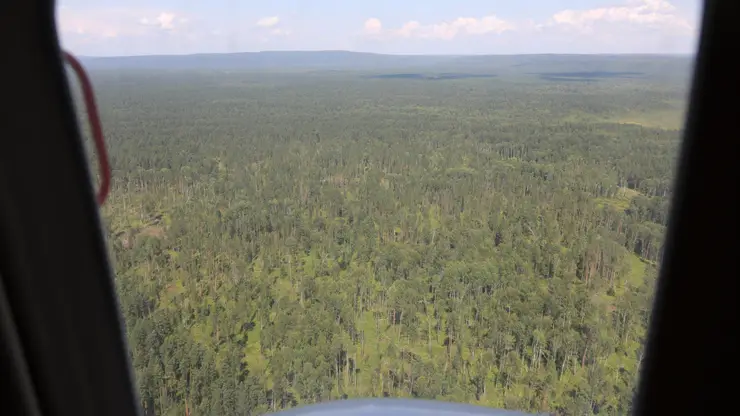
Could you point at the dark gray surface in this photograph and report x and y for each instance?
(396, 407)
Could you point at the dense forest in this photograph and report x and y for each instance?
(287, 238)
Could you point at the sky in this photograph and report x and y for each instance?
(145, 27)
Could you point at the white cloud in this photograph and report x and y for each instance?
(97, 23)
(623, 26)
(465, 26)
(115, 31)
(659, 14)
(112, 23)
(444, 30)
(268, 21)
(270, 27)
(166, 21)
(630, 26)
(373, 26)
(280, 32)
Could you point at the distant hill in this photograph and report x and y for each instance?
(265, 60)
(648, 65)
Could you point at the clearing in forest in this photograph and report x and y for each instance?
(619, 202)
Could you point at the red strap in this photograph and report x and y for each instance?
(95, 126)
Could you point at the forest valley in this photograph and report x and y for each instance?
(295, 237)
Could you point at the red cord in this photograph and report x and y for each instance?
(95, 126)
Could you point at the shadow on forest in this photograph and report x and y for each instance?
(587, 75)
(430, 77)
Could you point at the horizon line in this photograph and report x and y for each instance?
(164, 55)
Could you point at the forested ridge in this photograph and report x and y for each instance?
(286, 239)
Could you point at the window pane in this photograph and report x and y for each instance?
(393, 201)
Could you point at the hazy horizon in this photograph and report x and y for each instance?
(401, 54)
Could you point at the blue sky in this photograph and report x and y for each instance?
(142, 27)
